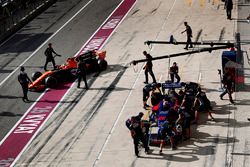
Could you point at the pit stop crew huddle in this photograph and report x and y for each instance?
(172, 113)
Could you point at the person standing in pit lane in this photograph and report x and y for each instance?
(185, 115)
(188, 30)
(166, 121)
(148, 68)
(24, 81)
(229, 7)
(49, 56)
(81, 73)
(135, 127)
(228, 82)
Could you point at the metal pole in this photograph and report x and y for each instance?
(194, 43)
(168, 66)
(181, 54)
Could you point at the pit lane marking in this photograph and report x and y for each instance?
(11, 150)
(127, 98)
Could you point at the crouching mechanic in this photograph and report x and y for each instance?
(204, 104)
(134, 125)
(146, 92)
(184, 120)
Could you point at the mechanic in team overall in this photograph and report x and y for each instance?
(154, 89)
(24, 81)
(165, 126)
(135, 127)
(185, 116)
(156, 95)
(146, 94)
(174, 70)
(81, 72)
(49, 56)
(185, 121)
(203, 105)
(148, 68)
(228, 82)
(229, 7)
(179, 98)
(188, 30)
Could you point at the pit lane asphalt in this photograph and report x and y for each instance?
(30, 41)
(76, 137)
(97, 136)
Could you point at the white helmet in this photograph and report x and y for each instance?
(179, 128)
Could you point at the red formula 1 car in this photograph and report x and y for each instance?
(95, 62)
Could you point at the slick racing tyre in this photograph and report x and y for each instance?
(103, 64)
(35, 75)
(73, 72)
(50, 82)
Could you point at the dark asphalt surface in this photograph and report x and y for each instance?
(26, 41)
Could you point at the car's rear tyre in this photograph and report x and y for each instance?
(35, 75)
(50, 82)
(103, 64)
(73, 72)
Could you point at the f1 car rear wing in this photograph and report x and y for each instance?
(92, 54)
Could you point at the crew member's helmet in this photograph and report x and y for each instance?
(141, 114)
(154, 85)
(178, 128)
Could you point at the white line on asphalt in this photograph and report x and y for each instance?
(75, 82)
(157, 36)
(38, 130)
(117, 119)
(119, 115)
(12, 129)
(199, 78)
(165, 20)
(45, 43)
(162, 28)
(123, 107)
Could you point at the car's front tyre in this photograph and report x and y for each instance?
(103, 64)
(36, 75)
(50, 82)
